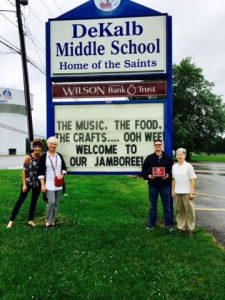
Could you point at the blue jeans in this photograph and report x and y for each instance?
(165, 194)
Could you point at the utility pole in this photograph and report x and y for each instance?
(25, 71)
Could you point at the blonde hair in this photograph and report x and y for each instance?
(182, 150)
(53, 140)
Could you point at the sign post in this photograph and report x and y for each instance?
(106, 50)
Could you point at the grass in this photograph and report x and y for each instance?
(208, 158)
(101, 249)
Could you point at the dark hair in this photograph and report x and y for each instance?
(157, 140)
(37, 142)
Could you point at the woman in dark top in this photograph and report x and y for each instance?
(30, 181)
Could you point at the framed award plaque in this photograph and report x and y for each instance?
(158, 172)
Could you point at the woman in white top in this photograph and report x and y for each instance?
(183, 191)
(52, 165)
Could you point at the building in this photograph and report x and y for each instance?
(13, 122)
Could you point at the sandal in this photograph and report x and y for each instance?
(10, 224)
(31, 224)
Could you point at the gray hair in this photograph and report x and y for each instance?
(182, 150)
(53, 140)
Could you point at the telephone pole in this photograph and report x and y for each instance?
(24, 67)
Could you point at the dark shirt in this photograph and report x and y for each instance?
(31, 171)
(153, 160)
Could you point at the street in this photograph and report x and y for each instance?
(210, 198)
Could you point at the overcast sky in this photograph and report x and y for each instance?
(198, 32)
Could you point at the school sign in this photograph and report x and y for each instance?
(109, 48)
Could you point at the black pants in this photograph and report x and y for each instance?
(35, 194)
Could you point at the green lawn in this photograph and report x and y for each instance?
(101, 249)
(208, 158)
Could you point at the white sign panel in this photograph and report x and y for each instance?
(108, 46)
(108, 137)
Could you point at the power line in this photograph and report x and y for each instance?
(9, 20)
(11, 3)
(33, 38)
(47, 8)
(57, 6)
(15, 49)
(36, 17)
(5, 53)
(35, 47)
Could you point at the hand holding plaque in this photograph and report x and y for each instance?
(158, 172)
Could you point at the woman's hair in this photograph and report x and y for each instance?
(182, 150)
(53, 140)
(37, 142)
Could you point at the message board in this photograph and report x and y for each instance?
(134, 45)
(108, 138)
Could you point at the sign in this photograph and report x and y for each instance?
(135, 45)
(158, 172)
(108, 138)
(107, 5)
(102, 90)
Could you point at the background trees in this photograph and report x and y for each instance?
(198, 113)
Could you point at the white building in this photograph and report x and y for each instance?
(13, 122)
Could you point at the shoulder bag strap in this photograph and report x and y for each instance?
(52, 165)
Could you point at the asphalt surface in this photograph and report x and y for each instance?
(11, 162)
(210, 194)
(210, 198)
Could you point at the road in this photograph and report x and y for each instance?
(210, 199)
(11, 162)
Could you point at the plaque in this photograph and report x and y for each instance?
(158, 172)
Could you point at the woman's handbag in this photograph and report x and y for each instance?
(58, 181)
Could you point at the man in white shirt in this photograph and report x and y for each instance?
(183, 190)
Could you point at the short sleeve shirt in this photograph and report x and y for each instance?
(182, 174)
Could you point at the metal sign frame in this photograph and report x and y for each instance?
(127, 8)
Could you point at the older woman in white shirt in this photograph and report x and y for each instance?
(183, 190)
(51, 165)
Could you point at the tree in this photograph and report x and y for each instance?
(198, 113)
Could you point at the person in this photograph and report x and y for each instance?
(159, 184)
(29, 182)
(52, 165)
(183, 191)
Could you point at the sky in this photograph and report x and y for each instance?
(198, 32)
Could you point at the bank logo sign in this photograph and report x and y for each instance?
(5, 96)
(108, 46)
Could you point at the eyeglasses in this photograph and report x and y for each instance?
(158, 145)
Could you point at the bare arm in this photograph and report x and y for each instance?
(192, 192)
(43, 186)
(173, 188)
(26, 163)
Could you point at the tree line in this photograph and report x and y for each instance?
(198, 113)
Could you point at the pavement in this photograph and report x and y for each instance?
(11, 162)
(210, 194)
(210, 198)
